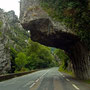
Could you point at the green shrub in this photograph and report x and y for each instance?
(1, 23)
(20, 61)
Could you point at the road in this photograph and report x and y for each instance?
(49, 79)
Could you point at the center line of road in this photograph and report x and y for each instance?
(32, 85)
(61, 73)
(28, 83)
(75, 86)
(38, 79)
(67, 79)
(44, 74)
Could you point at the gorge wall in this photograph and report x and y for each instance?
(12, 35)
(5, 64)
(51, 33)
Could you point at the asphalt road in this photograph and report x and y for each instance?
(49, 79)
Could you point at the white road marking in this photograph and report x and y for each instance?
(75, 86)
(32, 85)
(60, 73)
(28, 83)
(67, 79)
(44, 74)
(37, 80)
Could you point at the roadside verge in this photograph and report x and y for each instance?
(9, 76)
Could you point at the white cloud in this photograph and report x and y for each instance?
(8, 5)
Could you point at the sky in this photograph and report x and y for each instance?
(8, 5)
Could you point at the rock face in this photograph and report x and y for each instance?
(15, 33)
(5, 64)
(11, 35)
(45, 31)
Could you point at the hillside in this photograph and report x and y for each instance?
(12, 35)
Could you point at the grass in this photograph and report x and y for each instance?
(66, 71)
(72, 74)
(22, 70)
(87, 81)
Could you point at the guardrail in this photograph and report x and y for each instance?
(9, 76)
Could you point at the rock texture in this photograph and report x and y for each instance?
(16, 34)
(11, 35)
(48, 32)
(4, 53)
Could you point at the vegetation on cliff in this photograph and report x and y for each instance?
(65, 62)
(24, 54)
(34, 56)
(72, 13)
(1, 23)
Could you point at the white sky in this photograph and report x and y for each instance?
(8, 5)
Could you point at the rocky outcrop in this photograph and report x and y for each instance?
(5, 64)
(16, 34)
(11, 35)
(50, 33)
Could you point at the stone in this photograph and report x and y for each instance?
(50, 33)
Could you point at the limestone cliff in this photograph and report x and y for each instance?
(11, 35)
(48, 32)
(4, 53)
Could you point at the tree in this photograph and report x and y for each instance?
(63, 57)
(20, 61)
(13, 54)
(38, 56)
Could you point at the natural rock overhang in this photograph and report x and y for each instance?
(43, 31)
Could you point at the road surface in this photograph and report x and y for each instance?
(49, 79)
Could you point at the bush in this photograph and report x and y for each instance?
(20, 61)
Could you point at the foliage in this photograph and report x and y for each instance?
(1, 23)
(64, 62)
(87, 81)
(73, 13)
(18, 37)
(35, 56)
(63, 58)
(13, 54)
(20, 61)
(66, 71)
(38, 55)
(26, 54)
(22, 70)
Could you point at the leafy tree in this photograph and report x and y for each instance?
(35, 56)
(32, 61)
(13, 54)
(20, 61)
(32, 47)
(38, 56)
(63, 58)
(1, 23)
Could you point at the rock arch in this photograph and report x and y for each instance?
(45, 31)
